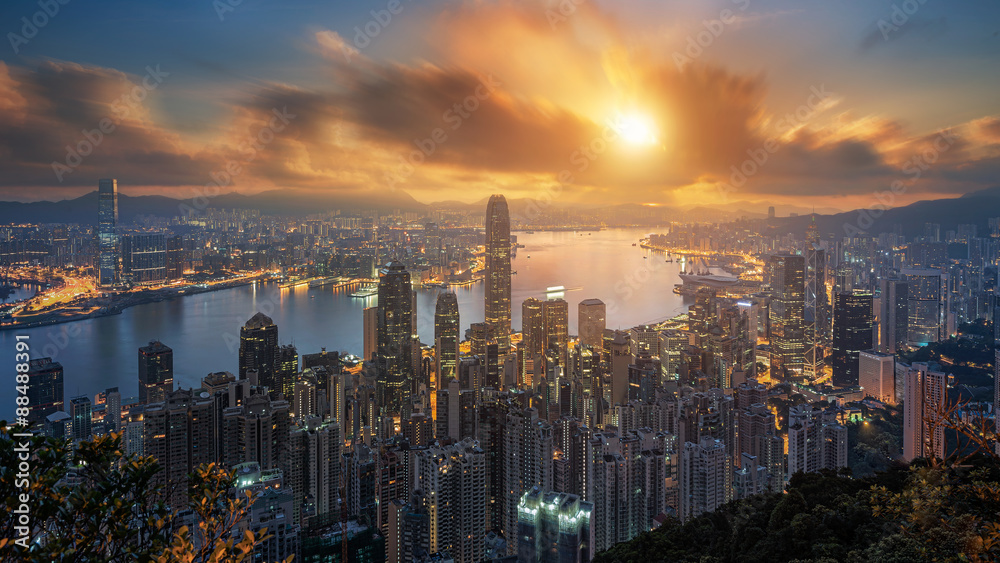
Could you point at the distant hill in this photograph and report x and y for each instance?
(972, 208)
(83, 209)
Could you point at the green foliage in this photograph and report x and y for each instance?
(93, 503)
(928, 514)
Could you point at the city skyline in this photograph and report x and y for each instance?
(506, 281)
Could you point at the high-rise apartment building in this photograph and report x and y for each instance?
(815, 441)
(527, 458)
(554, 527)
(453, 482)
(498, 270)
(705, 477)
(313, 468)
(924, 396)
(180, 433)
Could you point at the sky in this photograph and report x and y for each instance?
(668, 102)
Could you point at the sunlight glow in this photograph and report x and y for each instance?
(636, 129)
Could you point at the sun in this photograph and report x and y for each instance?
(636, 129)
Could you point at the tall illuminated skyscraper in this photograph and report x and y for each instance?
(924, 396)
(787, 277)
(927, 305)
(393, 343)
(498, 270)
(446, 336)
(156, 372)
(591, 322)
(532, 338)
(259, 350)
(107, 231)
(852, 333)
(556, 326)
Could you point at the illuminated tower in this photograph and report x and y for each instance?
(817, 323)
(498, 270)
(107, 231)
(532, 338)
(591, 322)
(156, 372)
(395, 326)
(787, 278)
(259, 350)
(446, 336)
(852, 333)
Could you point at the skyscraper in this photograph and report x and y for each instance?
(370, 332)
(107, 231)
(81, 413)
(893, 316)
(876, 374)
(704, 477)
(393, 342)
(156, 372)
(446, 336)
(498, 270)
(259, 350)
(787, 279)
(924, 396)
(591, 322)
(453, 480)
(556, 313)
(925, 305)
(288, 370)
(144, 258)
(554, 527)
(45, 389)
(180, 433)
(815, 441)
(852, 333)
(532, 339)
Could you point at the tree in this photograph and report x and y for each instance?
(90, 502)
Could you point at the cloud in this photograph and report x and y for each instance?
(495, 97)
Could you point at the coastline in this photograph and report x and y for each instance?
(116, 308)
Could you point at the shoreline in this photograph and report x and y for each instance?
(152, 296)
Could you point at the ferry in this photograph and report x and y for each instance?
(366, 291)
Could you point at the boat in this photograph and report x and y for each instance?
(709, 280)
(366, 291)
